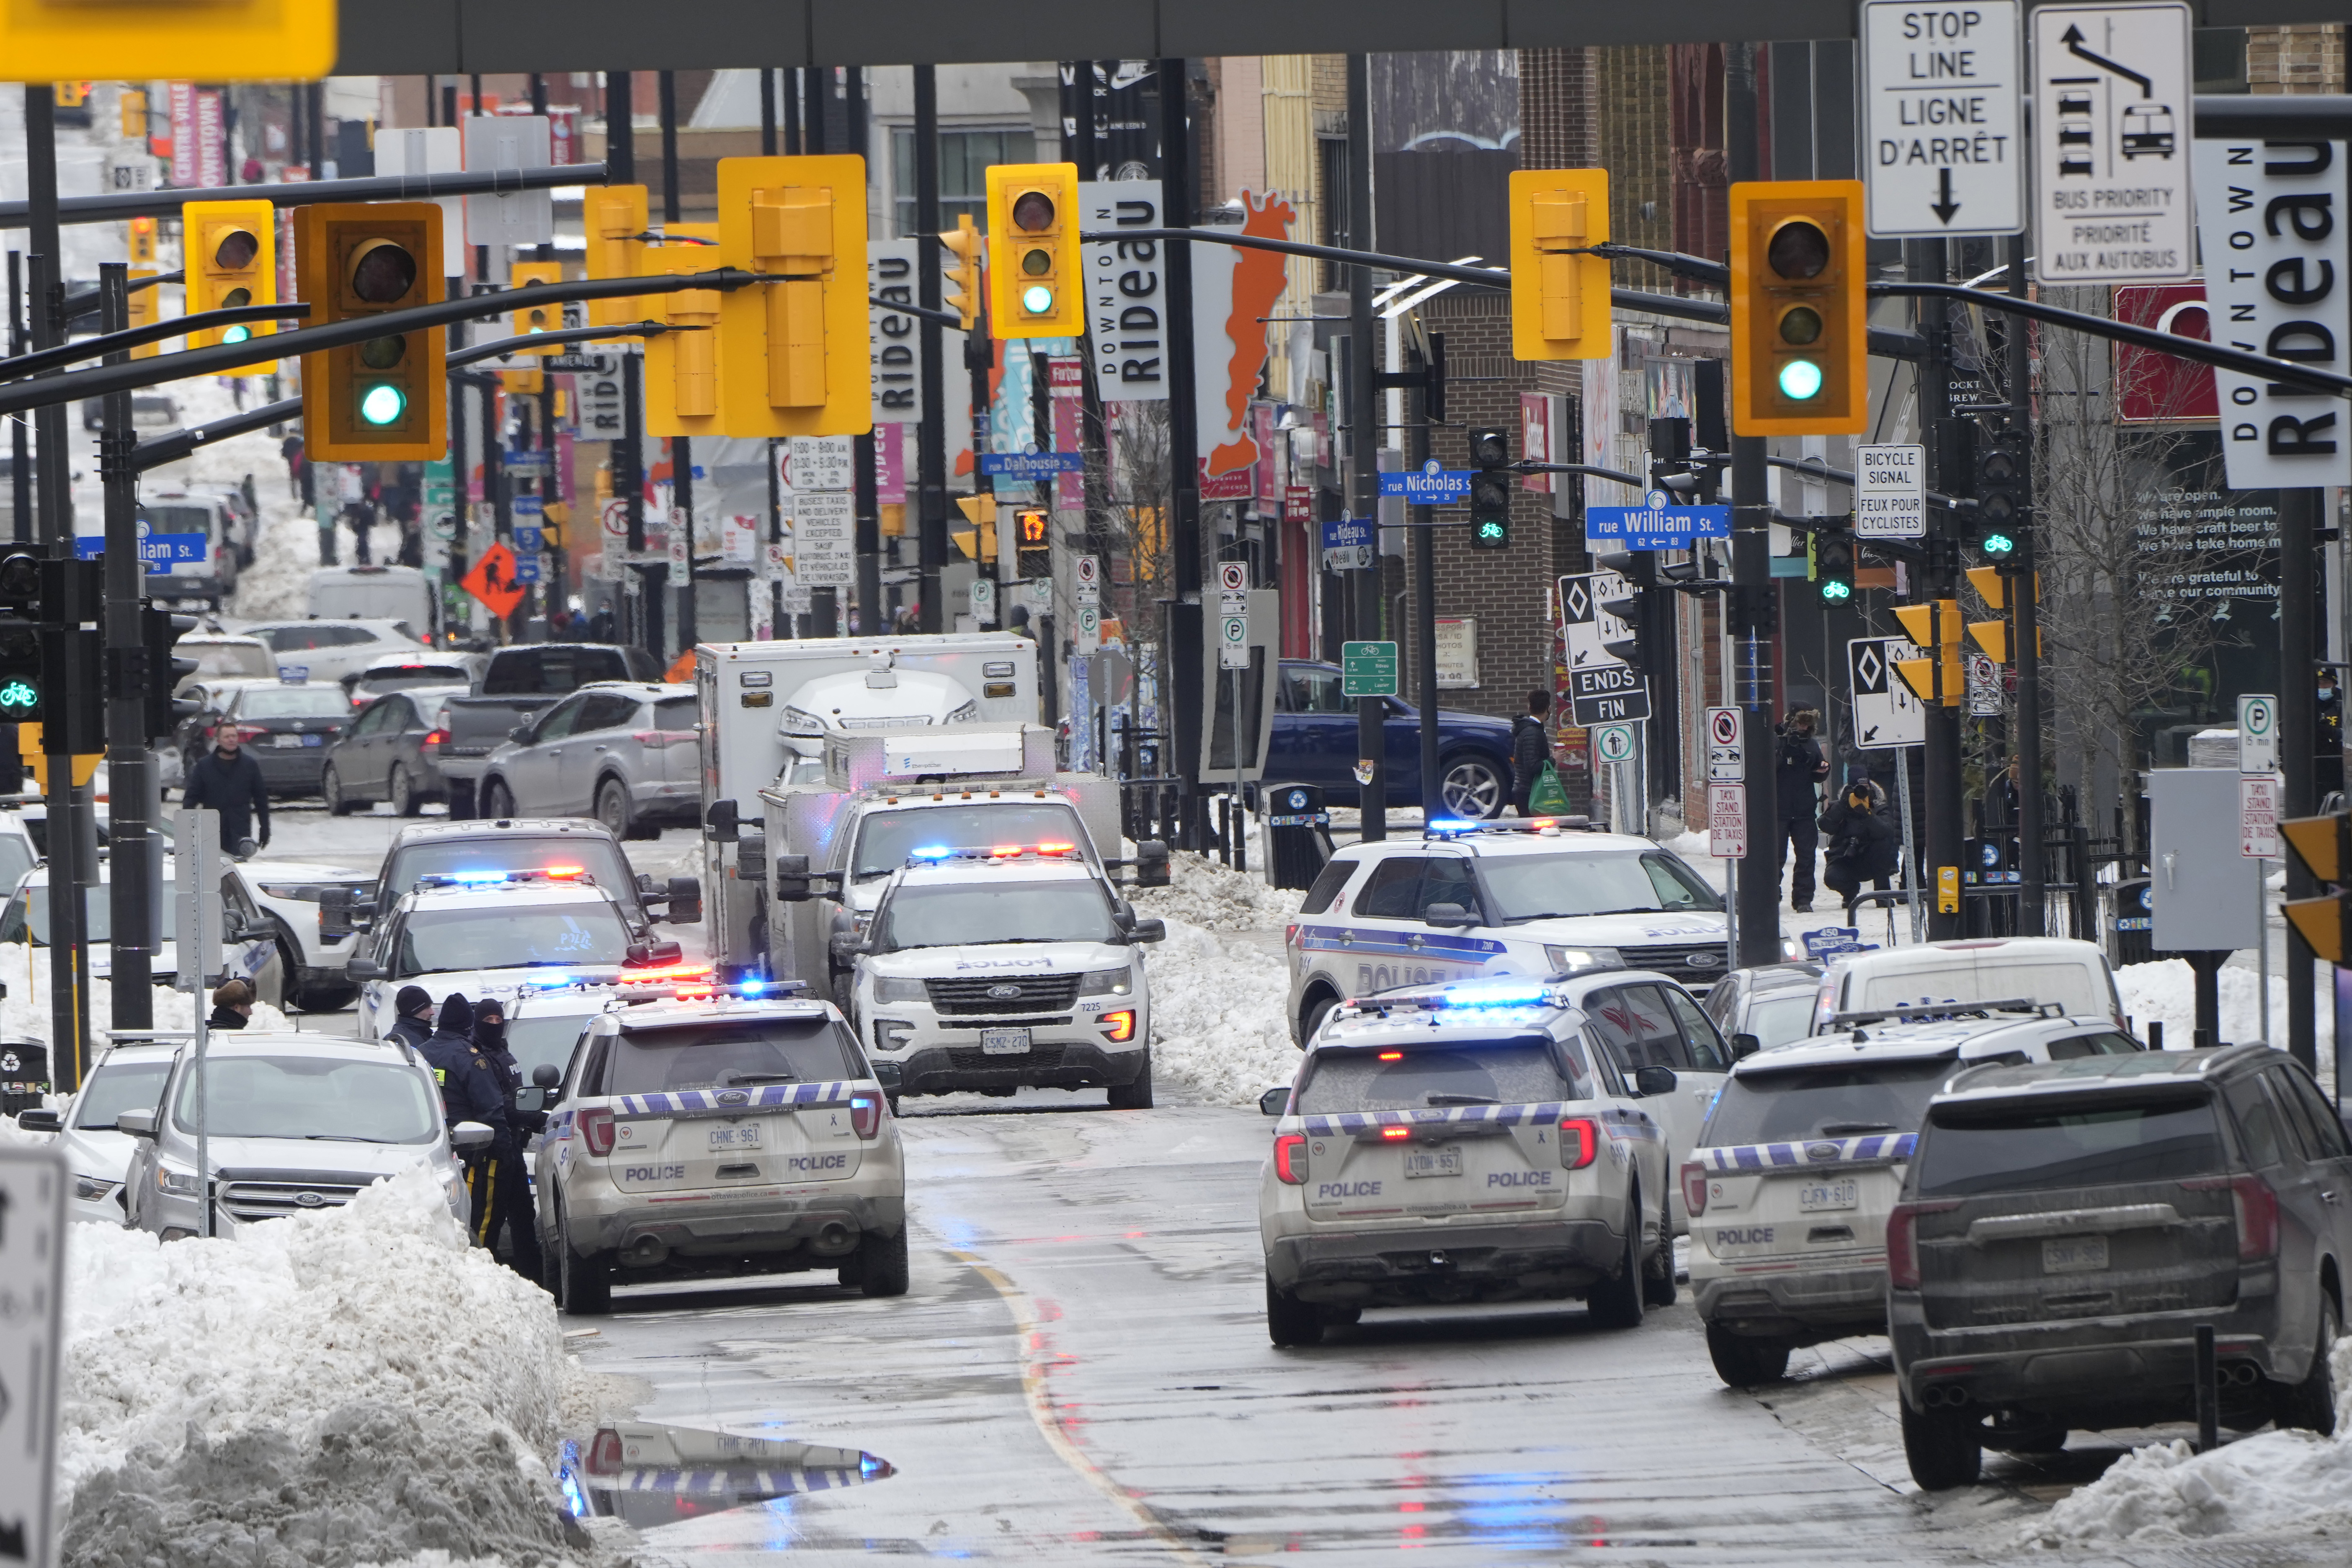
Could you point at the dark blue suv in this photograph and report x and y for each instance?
(1315, 743)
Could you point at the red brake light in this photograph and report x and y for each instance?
(1903, 1241)
(435, 738)
(1392, 1055)
(604, 1453)
(564, 873)
(1695, 1188)
(866, 1115)
(1290, 1158)
(2258, 1213)
(596, 1125)
(250, 732)
(1393, 1134)
(1120, 1025)
(1580, 1140)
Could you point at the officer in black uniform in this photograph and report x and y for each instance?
(471, 1091)
(511, 1206)
(414, 1024)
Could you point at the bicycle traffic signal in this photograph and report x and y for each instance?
(1829, 561)
(1800, 339)
(614, 218)
(795, 357)
(2324, 845)
(959, 283)
(1490, 487)
(1034, 539)
(383, 399)
(1560, 297)
(231, 251)
(2001, 493)
(1034, 289)
(529, 318)
(160, 630)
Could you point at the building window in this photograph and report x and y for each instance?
(1331, 170)
(964, 158)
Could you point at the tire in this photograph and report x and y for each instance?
(881, 1265)
(1744, 1362)
(1617, 1303)
(612, 808)
(2310, 1405)
(1659, 1288)
(1289, 1321)
(330, 790)
(1136, 1096)
(498, 800)
(1316, 1011)
(1944, 1446)
(583, 1286)
(405, 801)
(1469, 786)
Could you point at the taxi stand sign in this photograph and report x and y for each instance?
(1726, 821)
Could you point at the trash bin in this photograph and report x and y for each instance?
(2135, 940)
(1298, 837)
(24, 1076)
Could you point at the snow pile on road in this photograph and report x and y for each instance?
(25, 1008)
(2271, 1484)
(1218, 986)
(2166, 991)
(351, 1386)
(1204, 893)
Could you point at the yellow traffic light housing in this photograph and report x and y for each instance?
(1035, 280)
(979, 541)
(146, 309)
(2324, 844)
(385, 399)
(1800, 334)
(1034, 542)
(231, 251)
(542, 318)
(1992, 584)
(1934, 627)
(682, 366)
(1560, 297)
(138, 40)
(614, 218)
(959, 283)
(797, 357)
(142, 241)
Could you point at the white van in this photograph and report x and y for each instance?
(372, 593)
(2038, 969)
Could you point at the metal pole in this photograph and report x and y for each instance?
(204, 1105)
(1945, 803)
(2262, 951)
(2299, 522)
(20, 472)
(127, 758)
(931, 460)
(2033, 918)
(1910, 852)
(869, 619)
(1364, 440)
(1754, 594)
(1424, 592)
(825, 603)
(1185, 640)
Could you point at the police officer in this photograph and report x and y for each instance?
(414, 1022)
(511, 1209)
(471, 1091)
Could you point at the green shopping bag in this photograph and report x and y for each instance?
(1547, 798)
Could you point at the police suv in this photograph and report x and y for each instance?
(1804, 1159)
(715, 1132)
(1000, 968)
(1465, 1142)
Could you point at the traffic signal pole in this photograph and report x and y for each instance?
(1757, 896)
(2299, 522)
(931, 454)
(1186, 648)
(1940, 755)
(129, 765)
(2025, 618)
(1364, 444)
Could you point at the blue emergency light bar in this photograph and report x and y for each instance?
(489, 879)
(1454, 826)
(933, 854)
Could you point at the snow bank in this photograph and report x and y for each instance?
(1218, 1002)
(350, 1386)
(2166, 991)
(1205, 893)
(24, 1010)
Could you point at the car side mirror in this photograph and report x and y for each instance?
(791, 878)
(335, 913)
(685, 901)
(1655, 1080)
(1151, 864)
(137, 1123)
(471, 1135)
(363, 969)
(1744, 1046)
(1275, 1101)
(1147, 931)
(655, 952)
(40, 1122)
(547, 1075)
(720, 823)
(519, 734)
(847, 947)
(1447, 917)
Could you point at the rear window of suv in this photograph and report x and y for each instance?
(1842, 1102)
(711, 1056)
(1507, 1072)
(2007, 1148)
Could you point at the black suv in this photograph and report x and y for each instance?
(2066, 1227)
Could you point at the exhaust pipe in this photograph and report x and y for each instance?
(2241, 1374)
(1943, 1397)
(646, 1252)
(835, 1237)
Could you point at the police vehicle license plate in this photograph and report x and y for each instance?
(745, 1136)
(1433, 1161)
(1815, 1196)
(2075, 1255)
(286, 741)
(1005, 1042)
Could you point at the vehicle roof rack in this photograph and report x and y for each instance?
(1918, 1012)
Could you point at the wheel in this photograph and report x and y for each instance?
(402, 791)
(1944, 1446)
(2310, 1405)
(1658, 1285)
(1617, 1303)
(880, 1268)
(498, 800)
(1470, 787)
(1743, 1362)
(1316, 1011)
(894, 1104)
(1289, 1321)
(583, 1286)
(613, 806)
(1136, 1096)
(330, 789)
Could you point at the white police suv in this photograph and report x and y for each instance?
(1804, 1159)
(717, 1132)
(995, 969)
(1465, 1142)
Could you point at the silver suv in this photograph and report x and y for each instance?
(628, 752)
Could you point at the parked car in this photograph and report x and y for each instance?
(2073, 974)
(392, 751)
(250, 950)
(2066, 1229)
(1314, 741)
(627, 752)
(406, 671)
(399, 594)
(244, 521)
(1768, 1004)
(286, 898)
(326, 651)
(284, 724)
(521, 683)
(129, 1077)
(225, 655)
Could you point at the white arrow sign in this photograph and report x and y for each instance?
(2111, 137)
(1946, 151)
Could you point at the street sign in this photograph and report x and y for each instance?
(1347, 545)
(1232, 642)
(1890, 489)
(1726, 821)
(1594, 635)
(984, 600)
(2258, 734)
(492, 581)
(1427, 486)
(1090, 629)
(1613, 743)
(2258, 816)
(1984, 685)
(2112, 110)
(1607, 694)
(1368, 670)
(614, 514)
(824, 538)
(1658, 525)
(1032, 466)
(1727, 759)
(1885, 713)
(1941, 104)
(33, 1266)
(1086, 571)
(1233, 577)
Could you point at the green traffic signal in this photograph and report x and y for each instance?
(2000, 544)
(18, 699)
(382, 404)
(1837, 591)
(1800, 380)
(1037, 300)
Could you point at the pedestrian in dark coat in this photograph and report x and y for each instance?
(1864, 845)
(1530, 748)
(510, 1207)
(414, 1020)
(230, 782)
(1797, 766)
(232, 1006)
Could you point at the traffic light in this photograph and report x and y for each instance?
(146, 304)
(1829, 561)
(231, 251)
(2324, 844)
(133, 105)
(529, 318)
(227, 40)
(1034, 538)
(960, 284)
(20, 671)
(160, 630)
(143, 242)
(1993, 585)
(1035, 288)
(797, 357)
(979, 542)
(682, 367)
(2000, 492)
(1936, 628)
(383, 399)
(614, 218)
(1560, 297)
(1800, 339)
(1490, 487)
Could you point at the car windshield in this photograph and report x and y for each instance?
(2079, 987)
(748, 1056)
(1506, 1072)
(1777, 1020)
(885, 838)
(1846, 1100)
(550, 670)
(28, 912)
(958, 912)
(321, 1097)
(435, 942)
(118, 1086)
(1540, 887)
(299, 701)
(17, 858)
(2022, 1148)
(598, 856)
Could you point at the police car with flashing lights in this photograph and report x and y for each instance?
(729, 1132)
(490, 933)
(1466, 1142)
(1002, 968)
(1803, 1157)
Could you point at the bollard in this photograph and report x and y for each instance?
(2209, 1392)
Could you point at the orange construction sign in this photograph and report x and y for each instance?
(492, 581)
